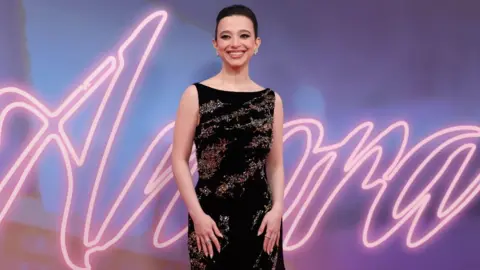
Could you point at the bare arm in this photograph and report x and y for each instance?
(275, 171)
(275, 176)
(185, 124)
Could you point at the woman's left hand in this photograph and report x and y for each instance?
(271, 223)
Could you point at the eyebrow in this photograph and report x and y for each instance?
(229, 32)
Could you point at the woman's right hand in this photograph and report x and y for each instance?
(206, 231)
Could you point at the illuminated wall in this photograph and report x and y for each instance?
(380, 135)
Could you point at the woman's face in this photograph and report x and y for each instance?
(236, 42)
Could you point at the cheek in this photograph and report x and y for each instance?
(251, 44)
(222, 45)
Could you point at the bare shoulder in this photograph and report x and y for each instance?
(278, 99)
(190, 92)
(190, 96)
(185, 123)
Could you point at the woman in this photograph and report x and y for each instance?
(235, 210)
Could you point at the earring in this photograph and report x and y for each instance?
(217, 53)
(256, 51)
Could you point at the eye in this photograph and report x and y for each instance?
(224, 36)
(245, 36)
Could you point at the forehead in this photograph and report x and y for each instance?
(235, 23)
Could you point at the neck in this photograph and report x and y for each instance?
(234, 76)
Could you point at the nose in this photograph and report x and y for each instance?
(235, 41)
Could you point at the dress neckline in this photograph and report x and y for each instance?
(235, 92)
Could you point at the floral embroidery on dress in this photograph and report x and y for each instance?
(225, 190)
(204, 191)
(224, 227)
(210, 158)
(272, 258)
(265, 105)
(206, 132)
(210, 106)
(197, 257)
(235, 181)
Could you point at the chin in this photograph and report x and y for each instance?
(236, 64)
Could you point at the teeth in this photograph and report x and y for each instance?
(236, 53)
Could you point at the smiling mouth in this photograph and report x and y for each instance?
(236, 54)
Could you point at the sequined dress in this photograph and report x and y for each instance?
(232, 141)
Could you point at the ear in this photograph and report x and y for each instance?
(214, 43)
(258, 42)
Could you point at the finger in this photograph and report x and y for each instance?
(262, 226)
(209, 246)
(215, 241)
(278, 240)
(266, 240)
(265, 244)
(199, 245)
(271, 242)
(217, 231)
(204, 246)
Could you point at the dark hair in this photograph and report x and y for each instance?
(239, 10)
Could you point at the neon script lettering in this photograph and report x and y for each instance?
(323, 157)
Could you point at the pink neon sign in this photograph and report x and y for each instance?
(367, 149)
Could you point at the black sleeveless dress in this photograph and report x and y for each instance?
(232, 142)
